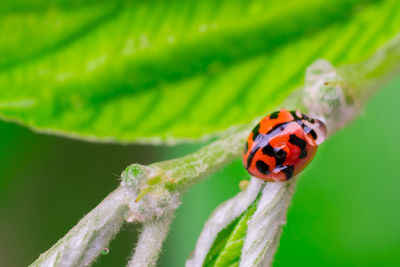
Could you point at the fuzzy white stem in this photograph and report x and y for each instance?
(264, 228)
(150, 242)
(83, 243)
(221, 217)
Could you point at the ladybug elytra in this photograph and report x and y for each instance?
(282, 144)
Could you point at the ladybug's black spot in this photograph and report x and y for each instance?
(274, 115)
(280, 156)
(313, 134)
(293, 112)
(288, 171)
(268, 150)
(300, 143)
(309, 130)
(280, 153)
(262, 167)
(256, 131)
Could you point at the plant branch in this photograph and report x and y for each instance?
(190, 168)
(83, 243)
(221, 217)
(150, 242)
(264, 228)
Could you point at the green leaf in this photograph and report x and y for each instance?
(226, 249)
(152, 71)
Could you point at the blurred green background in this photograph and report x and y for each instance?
(345, 211)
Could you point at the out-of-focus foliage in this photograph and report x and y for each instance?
(178, 69)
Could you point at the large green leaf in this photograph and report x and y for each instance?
(157, 70)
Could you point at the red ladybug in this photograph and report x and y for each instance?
(282, 145)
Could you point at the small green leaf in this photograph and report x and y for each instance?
(153, 71)
(226, 249)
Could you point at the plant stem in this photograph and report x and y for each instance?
(85, 242)
(259, 249)
(150, 242)
(190, 168)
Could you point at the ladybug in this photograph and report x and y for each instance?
(282, 144)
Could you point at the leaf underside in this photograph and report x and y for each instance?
(151, 71)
